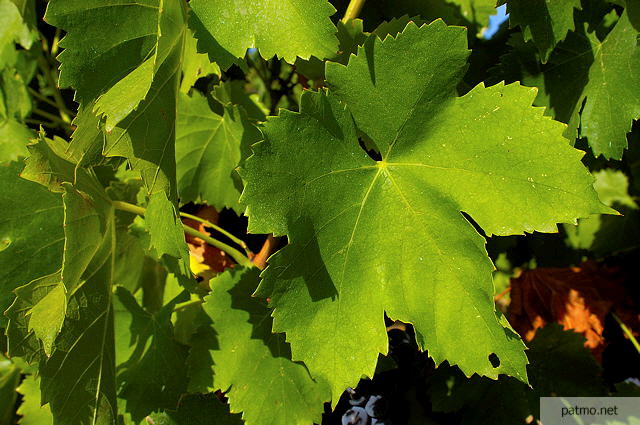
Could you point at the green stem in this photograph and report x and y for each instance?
(207, 223)
(185, 305)
(62, 108)
(627, 332)
(42, 98)
(234, 253)
(43, 123)
(353, 10)
(54, 118)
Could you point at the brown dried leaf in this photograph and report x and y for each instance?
(578, 298)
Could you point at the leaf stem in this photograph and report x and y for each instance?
(353, 10)
(207, 223)
(62, 108)
(41, 97)
(54, 118)
(627, 332)
(234, 253)
(185, 305)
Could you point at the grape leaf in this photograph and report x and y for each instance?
(608, 234)
(582, 76)
(286, 28)
(13, 140)
(208, 149)
(29, 325)
(551, 351)
(9, 380)
(544, 22)
(78, 377)
(232, 92)
(507, 401)
(30, 409)
(471, 13)
(115, 64)
(252, 364)
(78, 380)
(362, 227)
(144, 389)
(131, 71)
(197, 409)
(31, 235)
(12, 26)
(195, 65)
(165, 230)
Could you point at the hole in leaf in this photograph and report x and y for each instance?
(495, 361)
(370, 149)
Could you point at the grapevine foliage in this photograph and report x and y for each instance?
(384, 156)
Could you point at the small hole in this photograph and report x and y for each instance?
(373, 153)
(495, 361)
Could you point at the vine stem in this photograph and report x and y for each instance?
(52, 117)
(627, 332)
(62, 108)
(207, 223)
(185, 305)
(234, 253)
(41, 97)
(353, 10)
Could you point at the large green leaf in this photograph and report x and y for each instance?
(252, 364)
(154, 349)
(545, 22)
(132, 73)
(369, 237)
(286, 28)
(208, 150)
(30, 230)
(76, 363)
(78, 380)
(115, 64)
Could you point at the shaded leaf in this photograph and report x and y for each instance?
(581, 78)
(197, 410)
(253, 365)
(545, 22)
(155, 375)
(208, 150)
(507, 401)
(31, 234)
(608, 234)
(195, 65)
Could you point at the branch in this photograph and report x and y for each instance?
(355, 6)
(65, 114)
(627, 332)
(233, 253)
(219, 229)
(270, 245)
